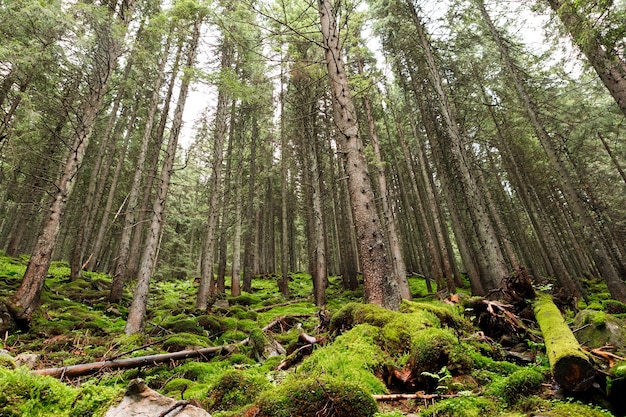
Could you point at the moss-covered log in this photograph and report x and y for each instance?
(570, 365)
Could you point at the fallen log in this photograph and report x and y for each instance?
(90, 368)
(570, 365)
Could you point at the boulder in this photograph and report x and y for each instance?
(596, 329)
(141, 401)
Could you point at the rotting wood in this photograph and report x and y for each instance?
(267, 308)
(570, 365)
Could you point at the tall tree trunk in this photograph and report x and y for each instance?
(395, 247)
(381, 287)
(108, 49)
(137, 311)
(92, 199)
(235, 289)
(249, 249)
(119, 273)
(283, 283)
(207, 281)
(493, 267)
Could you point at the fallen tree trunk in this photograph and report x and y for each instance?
(90, 368)
(570, 365)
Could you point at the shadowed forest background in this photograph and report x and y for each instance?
(215, 142)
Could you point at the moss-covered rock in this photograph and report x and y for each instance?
(598, 328)
(315, 397)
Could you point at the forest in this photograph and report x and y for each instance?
(388, 202)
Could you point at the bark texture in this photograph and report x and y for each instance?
(381, 287)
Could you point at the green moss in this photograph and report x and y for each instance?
(489, 364)
(234, 390)
(447, 314)
(353, 356)
(516, 386)
(614, 307)
(573, 409)
(183, 324)
(355, 313)
(619, 369)
(313, 397)
(434, 348)
(95, 400)
(211, 323)
(25, 394)
(469, 406)
(245, 299)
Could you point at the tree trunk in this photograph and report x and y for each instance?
(381, 287)
(395, 247)
(207, 281)
(491, 261)
(119, 274)
(137, 311)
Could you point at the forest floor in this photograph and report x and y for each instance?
(285, 357)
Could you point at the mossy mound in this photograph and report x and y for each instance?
(25, 394)
(184, 341)
(234, 390)
(354, 356)
(327, 397)
(518, 385)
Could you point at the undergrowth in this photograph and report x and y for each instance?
(427, 346)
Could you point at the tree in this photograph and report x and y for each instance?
(103, 62)
(137, 311)
(602, 46)
(381, 287)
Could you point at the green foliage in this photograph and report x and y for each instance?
(316, 397)
(24, 394)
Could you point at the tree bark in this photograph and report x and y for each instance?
(395, 247)
(590, 229)
(119, 274)
(381, 287)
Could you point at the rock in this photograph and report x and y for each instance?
(6, 360)
(596, 329)
(28, 360)
(141, 401)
